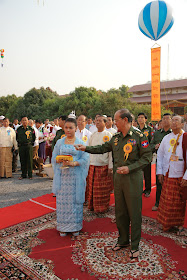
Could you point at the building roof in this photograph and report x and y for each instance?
(163, 85)
(163, 98)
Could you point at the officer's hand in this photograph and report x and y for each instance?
(79, 147)
(123, 170)
(161, 178)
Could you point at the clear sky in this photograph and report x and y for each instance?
(65, 44)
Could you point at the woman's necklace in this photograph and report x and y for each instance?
(70, 140)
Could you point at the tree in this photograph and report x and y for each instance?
(13, 111)
(6, 102)
(81, 100)
(32, 103)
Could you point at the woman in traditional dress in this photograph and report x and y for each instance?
(69, 181)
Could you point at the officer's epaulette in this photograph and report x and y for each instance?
(115, 134)
(139, 133)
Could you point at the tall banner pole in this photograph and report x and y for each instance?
(155, 84)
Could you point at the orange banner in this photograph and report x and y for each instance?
(155, 84)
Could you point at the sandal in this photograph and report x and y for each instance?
(76, 233)
(20, 178)
(134, 254)
(118, 247)
(180, 231)
(63, 234)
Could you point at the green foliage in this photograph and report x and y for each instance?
(139, 108)
(81, 100)
(13, 110)
(164, 111)
(6, 102)
(30, 105)
(44, 103)
(50, 108)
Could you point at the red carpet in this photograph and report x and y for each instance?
(31, 248)
(25, 211)
(34, 250)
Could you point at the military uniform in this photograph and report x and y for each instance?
(133, 151)
(25, 138)
(156, 139)
(59, 134)
(148, 132)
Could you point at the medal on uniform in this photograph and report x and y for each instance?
(63, 135)
(28, 133)
(127, 149)
(172, 144)
(85, 138)
(146, 133)
(115, 141)
(106, 138)
(132, 142)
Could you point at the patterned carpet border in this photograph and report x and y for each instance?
(16, 243)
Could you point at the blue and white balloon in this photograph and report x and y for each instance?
(156, 19)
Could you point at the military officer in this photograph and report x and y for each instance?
(25, 137)
(155, 143)
(60, 133)
(148, 132)
(131, 152)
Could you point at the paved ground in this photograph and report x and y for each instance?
(13, 191)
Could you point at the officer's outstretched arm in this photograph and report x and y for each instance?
(99, 149)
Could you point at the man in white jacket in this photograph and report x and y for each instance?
(99, 180)
(7, 141)
(82, 133)
(172, 174)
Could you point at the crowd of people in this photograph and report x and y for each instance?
(101, 156)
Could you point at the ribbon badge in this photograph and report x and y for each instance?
(116, 141)
(85, 138)
(132, 142)
(172, 144)
(127, 149)
(28, 133)
(146, 133)
(106, 138)
(63, 135)
(8, 131)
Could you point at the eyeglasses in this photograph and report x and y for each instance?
(115, 121)
(175, 120)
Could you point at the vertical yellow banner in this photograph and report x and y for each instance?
(155, 84)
